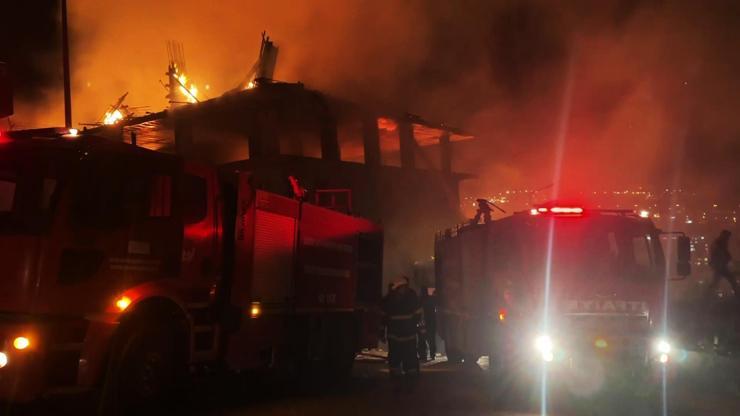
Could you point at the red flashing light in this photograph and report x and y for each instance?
(502, 314)
(557, 210)
(566, 210)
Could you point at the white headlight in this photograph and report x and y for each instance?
(663, 346)
(3, 359)
(544, 346)
(543, 343)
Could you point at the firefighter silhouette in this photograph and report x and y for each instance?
(484, 210)
(401, 319)
(719, 261)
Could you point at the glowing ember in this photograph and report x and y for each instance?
(112, 117)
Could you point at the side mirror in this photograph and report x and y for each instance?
(6, 92)
(683, 248)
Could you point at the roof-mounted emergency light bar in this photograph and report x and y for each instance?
(559, 210)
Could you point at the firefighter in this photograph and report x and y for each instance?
(402, 316)
(719, 261)
(428, 331)
(484, 210)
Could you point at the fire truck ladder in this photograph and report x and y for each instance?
(204, 333)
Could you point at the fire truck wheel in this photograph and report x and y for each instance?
(145, 368)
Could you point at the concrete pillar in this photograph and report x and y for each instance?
(408, 144)
(371, 140)
(329, 143)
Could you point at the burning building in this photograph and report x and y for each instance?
(389, 166)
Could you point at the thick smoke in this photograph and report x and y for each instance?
(654, 83)
(30, 44)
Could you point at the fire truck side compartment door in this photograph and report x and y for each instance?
(274, 246)
(244, 242)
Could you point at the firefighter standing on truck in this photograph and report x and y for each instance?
(401, 319)
(719, 261)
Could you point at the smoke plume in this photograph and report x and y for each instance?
(654, 83)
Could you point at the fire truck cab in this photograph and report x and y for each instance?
(120, 262)
(558, 284)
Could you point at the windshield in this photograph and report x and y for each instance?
(590, 250)
(29, 189)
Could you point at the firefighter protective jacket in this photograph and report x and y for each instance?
(402, 315)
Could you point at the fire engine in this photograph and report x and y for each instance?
(559, 285)
(124, 269)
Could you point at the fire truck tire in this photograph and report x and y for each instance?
(145, 369)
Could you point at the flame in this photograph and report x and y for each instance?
(250, 85)
(113, 117)
(190, 93)
(387, 124)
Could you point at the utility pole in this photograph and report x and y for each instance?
(65, 62)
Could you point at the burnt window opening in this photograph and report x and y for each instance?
(351, 142)
(390, 142)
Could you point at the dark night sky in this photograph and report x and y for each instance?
(653, 90)
(30, 42)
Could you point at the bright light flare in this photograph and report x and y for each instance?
(663, 346)
(190, 93)
(663, 358)
(557, 210)
(21, 343)
(544, 345)
(255, 310)
(644, 213)
(122, 303)
(566, 210)
(112, 117)
(3, 359)
(74, 132)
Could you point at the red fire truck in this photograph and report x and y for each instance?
(560, 285)
(124, 269)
